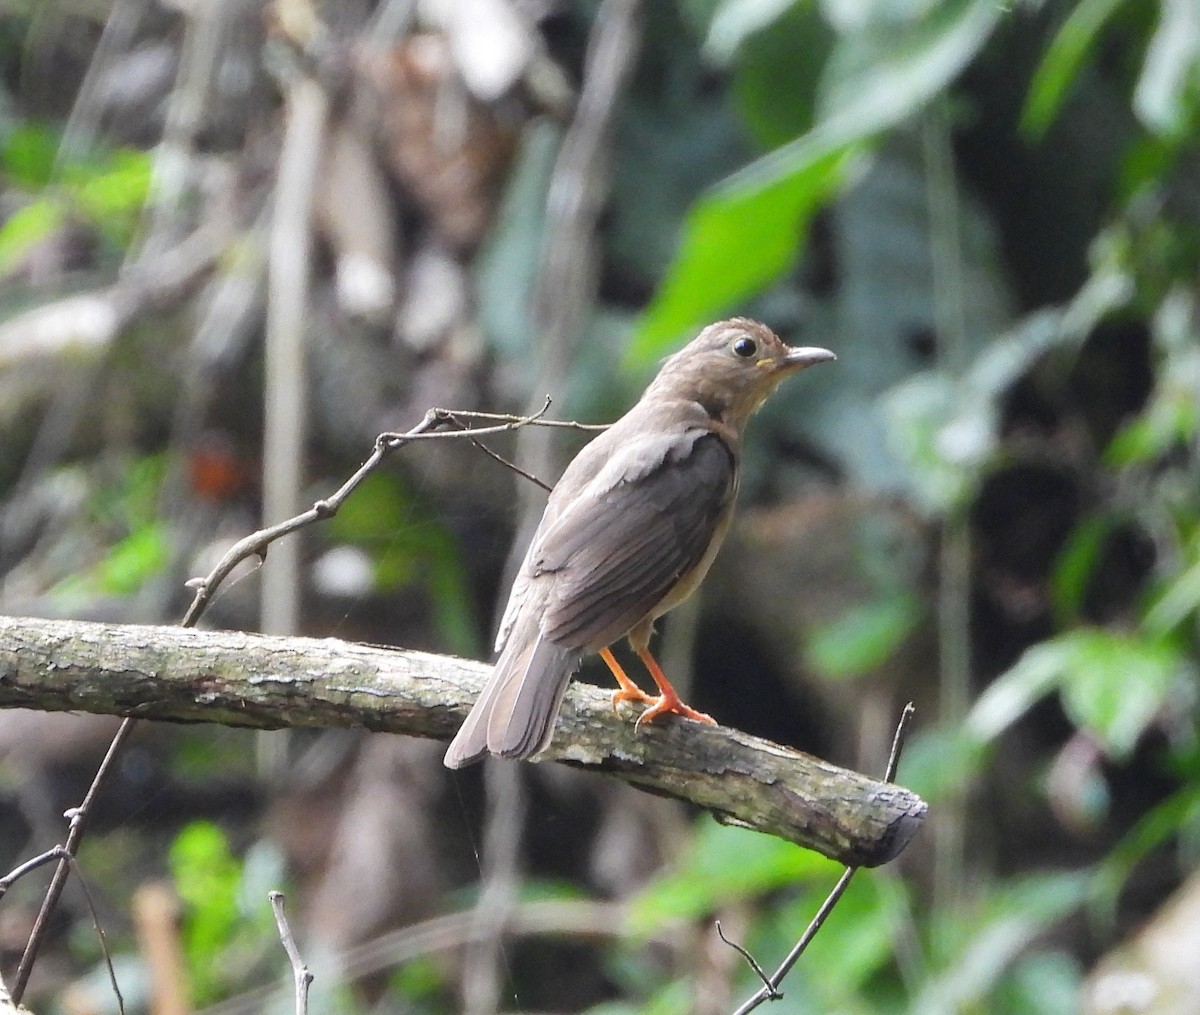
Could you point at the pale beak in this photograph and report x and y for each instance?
(805, 356)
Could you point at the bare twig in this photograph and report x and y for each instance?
(770, 988)
(18, 872)
(772, 993)
(78, 817)
(300, 972)
(433, 425)
(91, 904)
(500, 459)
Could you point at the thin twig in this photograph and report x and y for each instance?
(18, 872)
(78, 817)
(513, 466)
(300, 971)
(432, 426)
(773, 994)
(770, 988)
(906, 714)
(91, 904)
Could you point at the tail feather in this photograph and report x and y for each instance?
(514, 716)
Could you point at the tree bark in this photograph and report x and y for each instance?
(181, 675)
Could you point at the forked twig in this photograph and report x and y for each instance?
(18, 872)
(435, 425)
(770, 988)
(78, 822)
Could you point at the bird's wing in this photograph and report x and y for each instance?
(627, 538)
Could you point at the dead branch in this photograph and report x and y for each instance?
(262, 682)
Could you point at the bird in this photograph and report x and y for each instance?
(628, 533)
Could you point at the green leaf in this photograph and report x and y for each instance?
(1076, 564)
(1036, 674)
(28, 153)
(748, 230)
(864, 637)
(142, 554)
(112, 192)
(1112, 684)
(206, 876)
(1178, 601)
(724, 864)
(1115, 684)
(1046, 982)
(1164, 821)
(885, 71)
(741, 237)
(938, 763)
(1060, 65)
(775, 89)
(26, 228)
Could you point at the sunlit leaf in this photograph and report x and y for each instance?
(1116, 684)
(1036, 674)
(26, 228)
(1178, 601)
(206, 876)
(142, 554)
(740, 237)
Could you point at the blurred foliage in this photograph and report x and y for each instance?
(228, 930)
(131, 542)
(106, 189)
(410, 546)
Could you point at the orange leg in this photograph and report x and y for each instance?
(668, 700)
(629, 691)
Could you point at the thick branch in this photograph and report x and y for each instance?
(266, 683)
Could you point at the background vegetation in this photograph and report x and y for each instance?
(990, 505)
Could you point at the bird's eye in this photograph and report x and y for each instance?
(745, 347)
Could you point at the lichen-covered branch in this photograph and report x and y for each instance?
(180, 675)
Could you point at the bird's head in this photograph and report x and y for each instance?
(731, 367)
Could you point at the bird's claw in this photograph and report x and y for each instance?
(670, 703)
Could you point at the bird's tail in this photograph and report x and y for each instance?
(514, 716)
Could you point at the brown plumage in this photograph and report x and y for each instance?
(628, 533)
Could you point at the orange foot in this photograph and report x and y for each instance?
(668, 700)
(628, 691)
